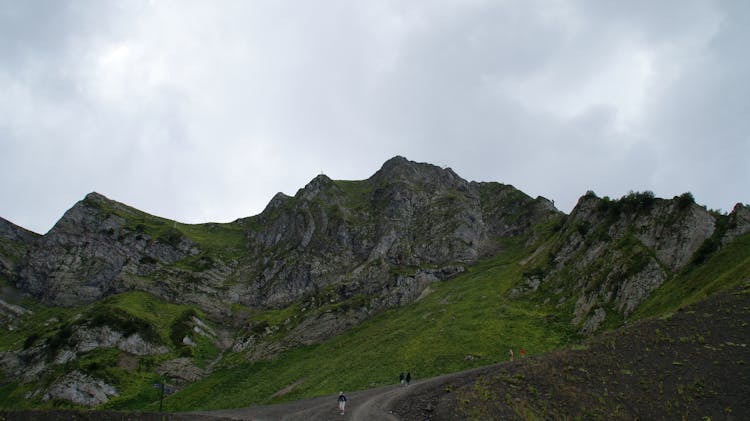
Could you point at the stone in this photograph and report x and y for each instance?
(80, 389)
(181, 370)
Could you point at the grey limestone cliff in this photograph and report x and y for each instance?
(14, 243)
(90, 252)
(610, 255)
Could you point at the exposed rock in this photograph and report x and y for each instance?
(675, 243)
(592, 323)
(80, 389)
(243, 344)
(87, 339)
(12, 309)
(616, 253)
(65, 356)
(739, 223)
(14, 243)
(12, 232)
(32, 372)
(181, 370)
(635, 289)
(9, 362)
(89, 252)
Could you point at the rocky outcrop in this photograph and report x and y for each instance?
(180, 370)
(612, 254)
(738, 224)
(90, 252)
(87, 339)
(14, 243)
(40, 357)
(80, 389)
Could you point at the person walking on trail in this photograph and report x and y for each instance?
(522, 352)
(342, 403)
(510, 354)
(401, 378)
(408, 377)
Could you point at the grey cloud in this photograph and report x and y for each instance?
(202, 111)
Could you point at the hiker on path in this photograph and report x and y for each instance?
(401, 378)
(408, 377)
(522, 352)
(342, 402)
(510, 354)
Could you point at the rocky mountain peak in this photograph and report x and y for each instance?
(96, 197)
(315, 187)
(739, 222)
(400, 169)
(276, 202)
(12, 232)
(14, 243)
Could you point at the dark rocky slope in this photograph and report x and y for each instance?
(14, 243)
(692, 365)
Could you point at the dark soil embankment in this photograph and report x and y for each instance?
(692, 365)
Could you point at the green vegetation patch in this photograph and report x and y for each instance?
(153, 311)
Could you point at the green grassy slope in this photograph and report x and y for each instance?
(722, 270)
(465, 322)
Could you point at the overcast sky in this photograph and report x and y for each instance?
(202, 110)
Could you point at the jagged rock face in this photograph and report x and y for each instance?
(180, 370)
(87, 339)
(739, 223)
(406, 215)
(14, 242)
(89, 253)
(80, 389)
(674, 233)
(12, 232)
(612, 254)
(675, 243)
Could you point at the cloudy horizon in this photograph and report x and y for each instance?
(201, 111)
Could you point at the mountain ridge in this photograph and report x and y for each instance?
(332, 257)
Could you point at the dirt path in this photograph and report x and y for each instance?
(365, 405)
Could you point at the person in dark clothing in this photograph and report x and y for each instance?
(401, 378)
(408, 377)
(342, 402)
